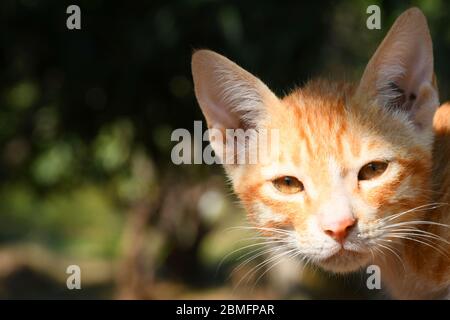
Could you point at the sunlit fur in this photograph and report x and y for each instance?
(326, 156)
(328, 131)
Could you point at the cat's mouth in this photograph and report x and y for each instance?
(344, 260)
(342, 252)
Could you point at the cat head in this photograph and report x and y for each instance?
(351, 160)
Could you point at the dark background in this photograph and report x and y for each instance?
(85, 123)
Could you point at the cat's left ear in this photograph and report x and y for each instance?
(400, 74)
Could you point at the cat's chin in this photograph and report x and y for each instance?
(344, 262)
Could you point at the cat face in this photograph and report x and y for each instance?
(351, 159)
(343, 166)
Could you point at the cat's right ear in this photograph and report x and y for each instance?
(229, 96)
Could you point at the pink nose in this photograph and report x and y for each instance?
(338, 229)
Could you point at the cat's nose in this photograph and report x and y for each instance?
(338, 229)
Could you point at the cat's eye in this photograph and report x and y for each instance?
(372, 170)
(288, 185)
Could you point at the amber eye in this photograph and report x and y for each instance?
(289, 185)
(372, 170)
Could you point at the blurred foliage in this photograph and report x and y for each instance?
(86, 118)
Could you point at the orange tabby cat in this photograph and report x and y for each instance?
(362, 175)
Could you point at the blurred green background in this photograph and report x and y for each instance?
(85, 124)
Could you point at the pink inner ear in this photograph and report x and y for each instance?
(401, 67)
(219, 111)
(229, 96)
(406, 65)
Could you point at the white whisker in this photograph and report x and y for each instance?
(414, 231)
(417, 222)
(264, 243)
(261, 265)
(391, 249)
(429, 206)
(295, 253)
(419, 241)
